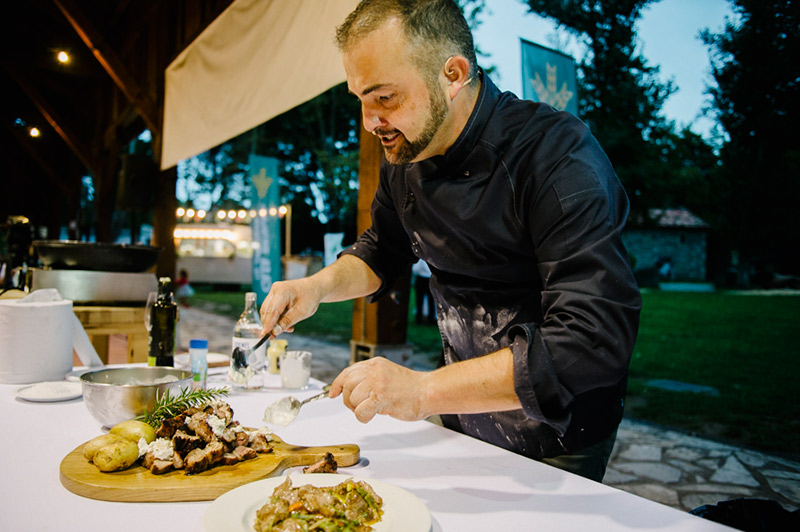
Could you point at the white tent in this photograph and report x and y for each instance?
(258, 59)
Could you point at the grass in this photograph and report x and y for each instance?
(743, 346)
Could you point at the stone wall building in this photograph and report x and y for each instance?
(671, 248)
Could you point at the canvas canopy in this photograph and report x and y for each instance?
(258, 59)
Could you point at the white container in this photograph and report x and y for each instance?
(35, 341)
(295, 369)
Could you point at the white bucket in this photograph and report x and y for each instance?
(35, 341)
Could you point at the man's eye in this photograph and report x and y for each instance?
(385, 98)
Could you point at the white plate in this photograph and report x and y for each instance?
(235, 511)
(46, 392)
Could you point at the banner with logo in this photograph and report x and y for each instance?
(266, 224)
(549, 76)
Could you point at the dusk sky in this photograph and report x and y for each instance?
(668, 38)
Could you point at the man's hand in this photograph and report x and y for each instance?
(287, 303)
(378, 386)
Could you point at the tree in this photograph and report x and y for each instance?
(757, 102)
(620, 95)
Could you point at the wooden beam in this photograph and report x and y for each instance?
(78, 148)
(25, 141)
(111, 63)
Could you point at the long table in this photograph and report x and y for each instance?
(467, 485)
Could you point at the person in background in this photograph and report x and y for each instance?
(183, 290)
(518, 213)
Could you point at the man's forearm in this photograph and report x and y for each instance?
(347, 278)
(483, 384)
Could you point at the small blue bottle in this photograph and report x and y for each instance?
(198, 356)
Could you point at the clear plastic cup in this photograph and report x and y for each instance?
(295, 369)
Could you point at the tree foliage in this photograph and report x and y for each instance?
(620, 95)
(620, 99)
(757, 102)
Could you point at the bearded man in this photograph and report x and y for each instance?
(518, 212)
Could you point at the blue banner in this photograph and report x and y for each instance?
(549, 76)
(266, 224)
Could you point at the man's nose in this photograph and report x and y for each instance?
(371, 120)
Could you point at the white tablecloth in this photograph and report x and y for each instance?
(468, 485)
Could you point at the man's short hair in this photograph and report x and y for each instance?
(436, 30)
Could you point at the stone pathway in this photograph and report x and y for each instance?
(665, 466)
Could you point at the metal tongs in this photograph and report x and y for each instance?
(285, 410)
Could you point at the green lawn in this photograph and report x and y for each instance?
(743, 346)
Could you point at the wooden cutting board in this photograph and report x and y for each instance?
(137, 484)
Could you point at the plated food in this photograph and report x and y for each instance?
(237, 509)
(351, 506)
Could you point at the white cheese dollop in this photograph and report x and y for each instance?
(161, 447)
(217, 424)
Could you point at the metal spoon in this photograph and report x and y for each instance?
(244, 358)
(285, 410)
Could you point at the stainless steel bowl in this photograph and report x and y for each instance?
(118, 394)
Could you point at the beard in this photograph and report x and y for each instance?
(407, 150)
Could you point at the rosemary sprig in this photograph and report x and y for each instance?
(168, 406)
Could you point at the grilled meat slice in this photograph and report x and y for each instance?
(177, 461)
(259, 443)
(239, 454)
(169, 426)
(198, 424)
(159, 467)
(327, 464)
(201, 459)
(183, 442)
(242, 438)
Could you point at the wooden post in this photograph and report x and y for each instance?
(378, 328)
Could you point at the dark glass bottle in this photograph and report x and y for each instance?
(163, 321)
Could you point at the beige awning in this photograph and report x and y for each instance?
(258, 59)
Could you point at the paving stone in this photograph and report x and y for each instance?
(720, 453)
(751, 459)
(614, 477)
(779, 473)
(641, 453)
(683, 453)
(686, 467)
(729, 489)
(678, 386)
(733, 472)
(789, 464)
(709, 463)
(653, 470)
(654, 492)
(786, 487)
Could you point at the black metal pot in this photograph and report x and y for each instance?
(96, 256)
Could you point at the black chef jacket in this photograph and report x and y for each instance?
(520, 224)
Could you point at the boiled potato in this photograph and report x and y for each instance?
(115, 456)
(133, 430)
(92, 446)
